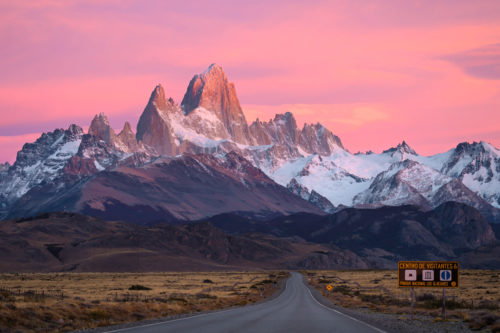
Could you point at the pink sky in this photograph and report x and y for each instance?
(374, 72)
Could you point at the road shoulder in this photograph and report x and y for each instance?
(390, 323)
(151, 322)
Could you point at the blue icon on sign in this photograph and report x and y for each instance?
(445, 275)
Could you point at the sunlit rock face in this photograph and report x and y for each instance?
(154, 128)
(212, 91)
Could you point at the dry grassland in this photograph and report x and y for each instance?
(476, 301)
(67, 301)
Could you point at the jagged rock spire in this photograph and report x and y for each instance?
(212, 91)
(154, 128)
(403, 148)
(127, 138)
(100, 128)
(158, 97)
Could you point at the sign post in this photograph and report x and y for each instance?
(443, 311)
(428, 274)
(412, 303)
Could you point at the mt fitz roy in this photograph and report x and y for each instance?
(200, 158)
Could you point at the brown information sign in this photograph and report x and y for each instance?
(428, 274)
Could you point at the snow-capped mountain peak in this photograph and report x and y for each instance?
(477, 165)
(39, 162)
(404, 182)
(311, 160)
(402, 149)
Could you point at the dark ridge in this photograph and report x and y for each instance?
(54, 249)
(43, 216)
(138, 214)
(496, 229)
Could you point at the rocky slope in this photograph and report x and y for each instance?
(313, 197)
(4, 166)
(186, 187)
(38, 163)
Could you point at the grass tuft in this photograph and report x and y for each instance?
(138, 287)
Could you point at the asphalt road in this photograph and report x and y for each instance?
(295, 310)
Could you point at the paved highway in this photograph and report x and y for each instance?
(295, 310)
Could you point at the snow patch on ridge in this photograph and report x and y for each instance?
(195, 126)
(284, 174)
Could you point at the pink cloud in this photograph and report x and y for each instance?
(482, 62)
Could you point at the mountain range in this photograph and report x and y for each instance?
(201, 158)
(382, 236)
